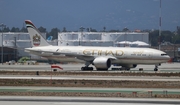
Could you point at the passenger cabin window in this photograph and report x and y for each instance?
(163, 54)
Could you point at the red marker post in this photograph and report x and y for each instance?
(54, 66)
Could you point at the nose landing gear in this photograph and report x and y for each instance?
(156, 67)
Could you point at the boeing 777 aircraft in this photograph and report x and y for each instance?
(101, 57)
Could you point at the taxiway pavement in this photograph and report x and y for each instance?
(29, 100)
(87, 89)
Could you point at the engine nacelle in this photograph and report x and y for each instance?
(102, 63)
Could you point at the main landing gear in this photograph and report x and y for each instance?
(86, 68)
(122, 68)
(99, 69)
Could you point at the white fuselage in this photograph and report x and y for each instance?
(120, 55)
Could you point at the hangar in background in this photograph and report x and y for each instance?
(14, 44)
(102, 38)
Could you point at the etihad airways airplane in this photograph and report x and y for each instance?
(101, 57)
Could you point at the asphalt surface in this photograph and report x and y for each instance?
(79, 77)
(29, 100)
(19, 100)
(86, 89)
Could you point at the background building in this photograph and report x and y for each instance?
(14, 44)
(102, 38)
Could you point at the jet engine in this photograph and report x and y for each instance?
(102, 63)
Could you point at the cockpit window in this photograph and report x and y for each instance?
(163, 54)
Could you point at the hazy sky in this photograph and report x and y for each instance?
(72, 14)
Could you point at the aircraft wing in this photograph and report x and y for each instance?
(88, 58)
(81, 57)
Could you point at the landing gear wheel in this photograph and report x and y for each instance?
(156, 68)
(140, 69)
(127, 69)
(86, 68)
(99, 69)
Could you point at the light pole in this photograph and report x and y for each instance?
(81, 29)
(2, 26)
(174, 47)
(160, 25)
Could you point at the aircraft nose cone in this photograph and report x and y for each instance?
(168, 58)
(165, 57)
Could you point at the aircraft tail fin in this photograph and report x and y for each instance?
(35, 35)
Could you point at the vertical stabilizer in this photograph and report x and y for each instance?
(35, 35)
